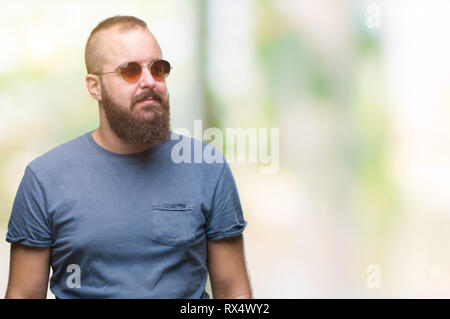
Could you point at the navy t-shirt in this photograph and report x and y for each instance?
(125, 225)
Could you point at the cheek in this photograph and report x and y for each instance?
(125, 97)
(120, 94)
(161, 88)
(124, 100)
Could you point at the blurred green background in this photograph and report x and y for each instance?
(362, 113)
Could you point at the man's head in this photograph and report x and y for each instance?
(136, 112)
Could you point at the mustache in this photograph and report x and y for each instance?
(145, 95)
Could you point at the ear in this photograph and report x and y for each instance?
(93, 86)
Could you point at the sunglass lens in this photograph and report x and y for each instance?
(160, 69)
(131, 72)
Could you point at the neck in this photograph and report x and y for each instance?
(106, 138)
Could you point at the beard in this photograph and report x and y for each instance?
(135, 127)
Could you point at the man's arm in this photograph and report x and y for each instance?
(227, 269)
(29, 270)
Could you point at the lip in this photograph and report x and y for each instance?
(149, 100)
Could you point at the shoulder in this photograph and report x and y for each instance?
(64, 155)
(196, 157)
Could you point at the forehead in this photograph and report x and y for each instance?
(124, 46)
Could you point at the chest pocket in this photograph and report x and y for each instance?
(174, 224)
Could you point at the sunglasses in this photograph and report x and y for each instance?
(131, 71)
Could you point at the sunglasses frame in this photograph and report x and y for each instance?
(142, 65)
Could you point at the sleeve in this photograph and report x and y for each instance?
(226, 218)
(29, 223)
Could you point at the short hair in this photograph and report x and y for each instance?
(92, 57)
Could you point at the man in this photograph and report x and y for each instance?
(110, 211)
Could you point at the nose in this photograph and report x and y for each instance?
(147, 80)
